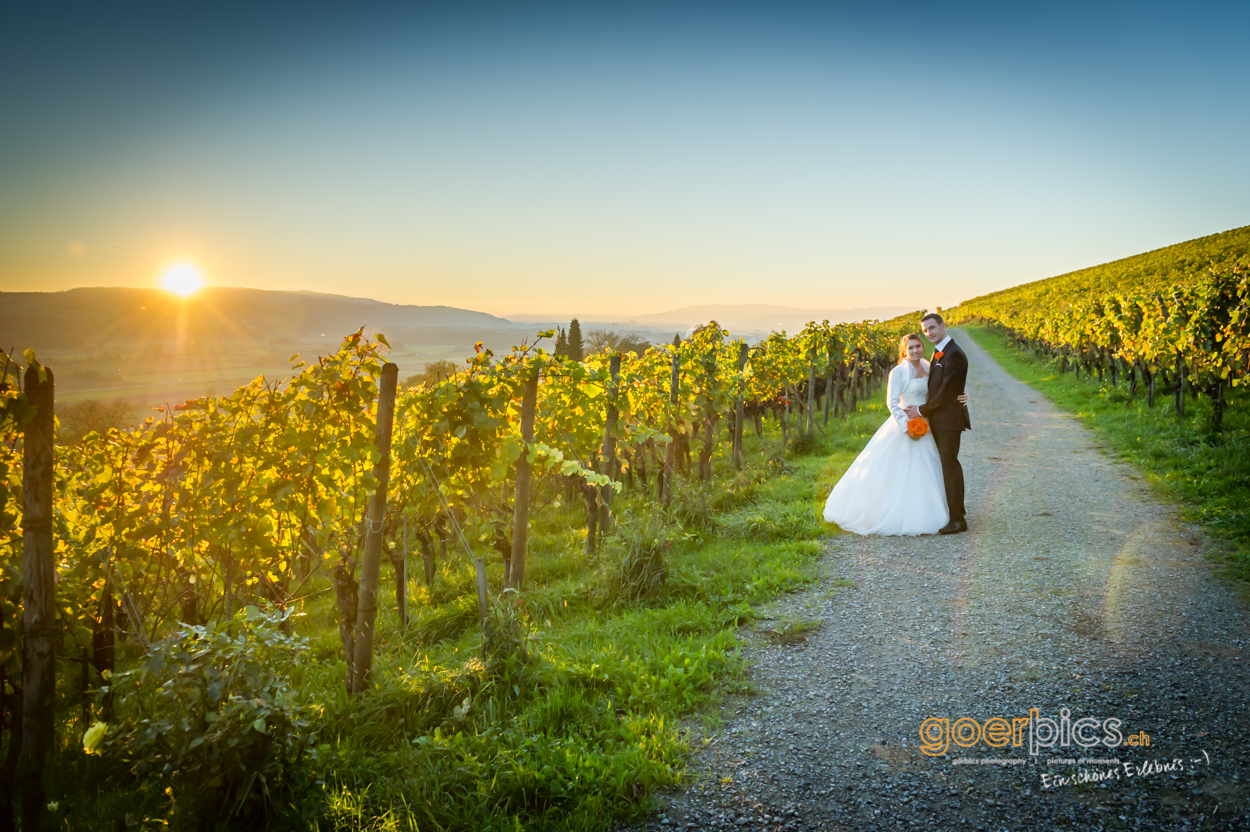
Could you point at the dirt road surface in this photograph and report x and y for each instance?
(1076, 588)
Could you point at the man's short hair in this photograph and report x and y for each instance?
(934, 316)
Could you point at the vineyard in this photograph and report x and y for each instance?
(196, 627)
(1191, 339)
(1154, 271)
(1158, 350)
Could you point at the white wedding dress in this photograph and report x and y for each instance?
(894, 486)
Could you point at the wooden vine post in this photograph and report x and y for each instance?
(670, 455)
(399, 561)
(739, 409)
(839, 402)
(1216, 393)
(829, 383)
(38, 603)
(856, 377)
(521, 506)
(709, 417)
(1178, 387)
(591, 494)
(375, 517)
(609, 467)
(810, 424)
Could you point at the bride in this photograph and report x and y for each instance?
(894, 487)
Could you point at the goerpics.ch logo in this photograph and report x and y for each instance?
(937, 733)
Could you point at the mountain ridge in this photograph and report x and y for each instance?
(86, 315)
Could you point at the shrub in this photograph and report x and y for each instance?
(505, 638)
(805, 444)
(453, 622)
(212, 716)
(636, 566)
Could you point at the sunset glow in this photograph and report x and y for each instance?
(182, 279)
(622, 161)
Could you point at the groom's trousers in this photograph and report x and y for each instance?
(952, 472)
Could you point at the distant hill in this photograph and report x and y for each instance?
(907, 320)
(766, 318)
(1156, 269)
(95, 317)
(753, 318)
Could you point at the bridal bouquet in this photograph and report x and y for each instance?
(917, 427)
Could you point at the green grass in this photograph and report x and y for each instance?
(619, 656)
(599, 719)
(1208, 475)
(793, 630)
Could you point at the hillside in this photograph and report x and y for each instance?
(151, 347)
(92, 317)
(908, 320)
(1180, 263)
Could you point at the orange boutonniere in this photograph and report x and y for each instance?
(917, 427)
(938, 355)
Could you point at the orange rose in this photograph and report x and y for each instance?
(917, 427)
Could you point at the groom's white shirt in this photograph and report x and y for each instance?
(899, 377)
(941, 345)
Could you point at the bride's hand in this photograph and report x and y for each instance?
(963, 398)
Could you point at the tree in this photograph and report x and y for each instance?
(598, 340)
(88, 415)
(577, 350)
(435, 372)
(562, 343)
(634, 343)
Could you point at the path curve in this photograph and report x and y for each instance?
(1075, 588)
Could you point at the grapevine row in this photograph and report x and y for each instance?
(1192, 337)
(244, 499)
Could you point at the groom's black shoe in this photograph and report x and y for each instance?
(954, 527)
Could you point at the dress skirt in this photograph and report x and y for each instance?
(894, 487)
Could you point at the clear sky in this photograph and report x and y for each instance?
(615, 158)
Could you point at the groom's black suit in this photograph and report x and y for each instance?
(948, 419)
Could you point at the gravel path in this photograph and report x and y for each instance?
(1075, 588)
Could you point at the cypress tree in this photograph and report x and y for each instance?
(562, 343)
(576, 348)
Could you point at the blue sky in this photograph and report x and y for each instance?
(581, 159)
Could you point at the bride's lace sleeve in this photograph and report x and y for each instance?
(894, 395)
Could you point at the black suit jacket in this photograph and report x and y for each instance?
(947, 377)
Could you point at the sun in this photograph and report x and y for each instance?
(182, 279)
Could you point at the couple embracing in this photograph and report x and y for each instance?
(907, 480)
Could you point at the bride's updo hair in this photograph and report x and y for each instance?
(902, 345)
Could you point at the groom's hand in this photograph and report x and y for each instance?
(912, 411)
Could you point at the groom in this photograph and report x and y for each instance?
(947, 417)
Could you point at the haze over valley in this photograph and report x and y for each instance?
(153, 347)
